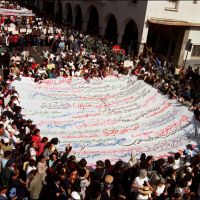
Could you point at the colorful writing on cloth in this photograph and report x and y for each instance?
(107, 118)
(22, 12)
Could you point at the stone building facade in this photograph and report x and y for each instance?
(166, 25)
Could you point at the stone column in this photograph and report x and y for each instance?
(142, 37)
(101, 26)
(169, 49)
(55, 8)
(140, 48)
(119, 38)
(73, 20)
(180, 49)
(84, 25)
(41, 6)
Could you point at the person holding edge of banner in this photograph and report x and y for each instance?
(196, 121)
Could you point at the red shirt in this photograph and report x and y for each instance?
(15, 38)
(34, 65)
(40, 148)
(36, 139)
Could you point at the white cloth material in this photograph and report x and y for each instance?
(84, 183)
(143, 197)
(29, 169)
(160, 190)
(196, 127)
(64, 105)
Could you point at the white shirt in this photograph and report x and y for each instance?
(25, 55)
(177, 71)
(160, 190)
(45, 54)
(179, 191)
(16, 59)
(32, 153)
(30, 168)
(140, 181)
(177, 163)
(44, 30)
(31, 60)
(7, 42)
(52, 56)
(12, 130)
(84, 183)
(3, 162)
(143, 197)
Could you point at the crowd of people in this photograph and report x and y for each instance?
(9, 5)
(31, 166)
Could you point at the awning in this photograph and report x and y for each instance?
(171, 22)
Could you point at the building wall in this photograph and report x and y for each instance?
(186, 10)
(140, 12)
(194, 61)
(123, 12)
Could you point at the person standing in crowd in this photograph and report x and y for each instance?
(3, 191)
(35, 184)
(196, 121)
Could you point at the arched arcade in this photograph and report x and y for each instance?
(130, 37)
(111, 28)
(92, 18)
(69, 16)
(78, 18)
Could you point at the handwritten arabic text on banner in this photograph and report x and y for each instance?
(107, 118)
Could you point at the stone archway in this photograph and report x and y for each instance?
(130, 37)
(78, 18)
(69, 17)
(49, 8)
(93, 21)
(59, 11)
(111, 28)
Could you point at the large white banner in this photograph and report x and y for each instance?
(106, 119)
(22, 12)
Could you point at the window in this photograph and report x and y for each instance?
(196, 51)
(172, 5)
